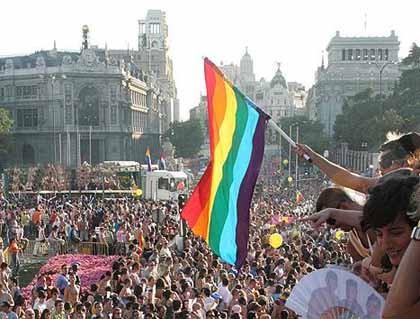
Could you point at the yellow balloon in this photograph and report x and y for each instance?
(138, 192)
(285, 162)
(275, 240)
(339, 235)
(290, 179)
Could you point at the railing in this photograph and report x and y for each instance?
(50, 248)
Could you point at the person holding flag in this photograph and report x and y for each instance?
(148, 160)
(162, 163)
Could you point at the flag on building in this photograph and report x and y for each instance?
(218, 209)
(148, 160)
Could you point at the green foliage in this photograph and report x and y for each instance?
(187, 137)
(364, 122)
(310, 132)
(6, 123)
(413, 57)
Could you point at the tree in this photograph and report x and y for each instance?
(187, 137)
(406, 96)
(413, 58)
(310, 132)
(365, 121)
(6, 123)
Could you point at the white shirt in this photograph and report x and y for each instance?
(226, 295)
(209, 304)
(40, 306)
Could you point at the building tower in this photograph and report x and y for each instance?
(246, 75)
(153, 57)
(246, 68)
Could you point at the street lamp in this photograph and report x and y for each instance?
(52, 78)
(381, 68)
(290, 150)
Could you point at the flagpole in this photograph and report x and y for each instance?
(275, 127)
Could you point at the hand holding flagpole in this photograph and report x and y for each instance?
(287, 138)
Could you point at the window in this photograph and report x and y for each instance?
(113, 115)
(163, 183)
(113, 93)
(372, 54)
(27, 92)
(27, 118)
(380, 54)
(343, 54)
(365, 54)
(386, 55)
(350, 54)
(68, 94)
(2, 93)
(358, 54)
(142, 28)
(154, 28)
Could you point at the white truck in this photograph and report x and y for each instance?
(157, 184)
(164, 185)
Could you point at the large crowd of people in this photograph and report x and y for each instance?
(165, 272)
(161, 274)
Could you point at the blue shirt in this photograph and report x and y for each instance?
(62, 282)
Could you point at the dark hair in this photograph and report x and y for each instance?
(225, 281)
(331, 197)
(176, 305)
(410, 142)
(389, 200)
(44, 313)
(400, 149)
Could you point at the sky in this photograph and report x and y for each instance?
(294, 33)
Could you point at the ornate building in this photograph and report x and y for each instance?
(72, 107)
(274, 97)
(153, 58)
(354, 64)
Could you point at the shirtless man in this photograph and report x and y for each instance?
(4, 277)
(71, 293)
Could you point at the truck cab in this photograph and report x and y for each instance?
(165, 185)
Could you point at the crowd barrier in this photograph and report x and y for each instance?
(50, 248)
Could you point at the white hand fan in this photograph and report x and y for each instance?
(332, 293)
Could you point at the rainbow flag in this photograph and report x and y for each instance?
(148, 160)
(218, 209)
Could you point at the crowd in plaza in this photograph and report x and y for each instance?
(163, 271)
(161, 274)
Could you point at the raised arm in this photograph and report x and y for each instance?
(338, 174)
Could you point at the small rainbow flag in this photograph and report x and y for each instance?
(218, 209)
(299, 197)
(148, 160)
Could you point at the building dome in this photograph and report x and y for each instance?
(278, 79)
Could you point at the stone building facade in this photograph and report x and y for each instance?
(153, 59)
(354, 65)
(72, 107)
